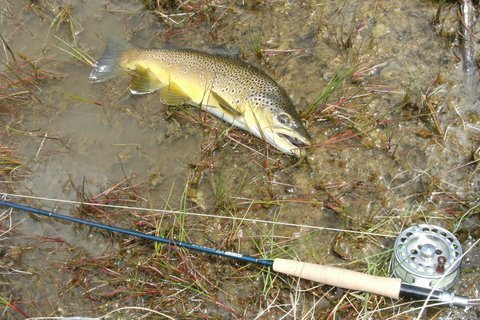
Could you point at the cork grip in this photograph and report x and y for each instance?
(338, 277)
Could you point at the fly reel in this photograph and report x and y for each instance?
(427, 256)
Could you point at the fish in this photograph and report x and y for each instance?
(227, 87)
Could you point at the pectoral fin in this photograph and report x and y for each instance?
(144, 81)
(225, 105)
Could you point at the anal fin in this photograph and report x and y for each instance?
(144, 81)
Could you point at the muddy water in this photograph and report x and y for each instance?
(381, 160)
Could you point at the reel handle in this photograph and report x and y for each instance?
(338, 277)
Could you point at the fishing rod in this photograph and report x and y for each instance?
(413, 262)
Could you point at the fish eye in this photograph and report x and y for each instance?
(283, 118)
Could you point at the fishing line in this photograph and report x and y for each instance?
(206, 215)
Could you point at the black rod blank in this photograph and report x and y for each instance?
(171, 242)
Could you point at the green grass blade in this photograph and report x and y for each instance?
(342, 74)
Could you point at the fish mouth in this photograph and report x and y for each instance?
(298, 143)
(294, 145)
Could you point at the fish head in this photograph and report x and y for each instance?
(278, 122)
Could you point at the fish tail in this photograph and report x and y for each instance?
(107, 66)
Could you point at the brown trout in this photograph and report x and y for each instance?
(228, 88)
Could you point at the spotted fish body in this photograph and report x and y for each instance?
(228, 88)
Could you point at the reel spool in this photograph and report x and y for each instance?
(427, 256)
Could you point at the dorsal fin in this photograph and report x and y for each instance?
(226, 52)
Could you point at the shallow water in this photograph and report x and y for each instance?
(397, 144)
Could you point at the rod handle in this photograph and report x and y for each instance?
(338, 277)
